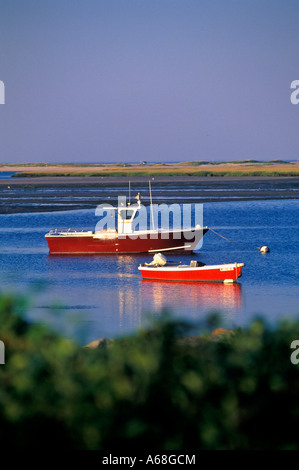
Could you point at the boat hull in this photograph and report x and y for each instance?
(216, 273)
(97, 243)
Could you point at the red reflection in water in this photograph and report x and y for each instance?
(206, 295)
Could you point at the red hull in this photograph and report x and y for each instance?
(74, 243)
(217, 273)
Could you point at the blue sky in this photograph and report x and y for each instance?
(155, 80)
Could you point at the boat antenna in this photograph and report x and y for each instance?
(129, 193)
(152, 213)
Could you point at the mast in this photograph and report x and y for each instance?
(129, 193)
(151, 201)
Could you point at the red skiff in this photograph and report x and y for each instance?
(215, 273)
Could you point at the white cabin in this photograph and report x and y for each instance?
(125, 219)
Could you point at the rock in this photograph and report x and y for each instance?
(97, 343)
(218, 332)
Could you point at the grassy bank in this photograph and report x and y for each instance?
(158, 389)
(236, 168)
(163, 173)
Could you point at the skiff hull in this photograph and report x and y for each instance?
(217, 273)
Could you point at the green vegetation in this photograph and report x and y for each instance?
(231, 162)
(158, 389)
(279, 162)
(156, 172)
(238, 162)
(122, 164)
(234, 168)
(195, 163)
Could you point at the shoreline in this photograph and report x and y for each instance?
(199, 168)
(66, 208)
(106, 180)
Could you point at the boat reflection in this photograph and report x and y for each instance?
(197, 296)
(110, 297)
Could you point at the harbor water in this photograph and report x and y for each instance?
(92, 296)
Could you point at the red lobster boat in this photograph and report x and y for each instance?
(160, 269)
(126, 239)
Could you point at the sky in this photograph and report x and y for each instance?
(91, 81)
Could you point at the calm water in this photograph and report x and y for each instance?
(28, 195)
(6, 174)
(97, 296)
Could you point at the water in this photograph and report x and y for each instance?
(6, 174)
(88, 297)
(28, 195)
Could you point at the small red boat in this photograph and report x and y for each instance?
(160, 269)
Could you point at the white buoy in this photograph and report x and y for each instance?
(264, 249)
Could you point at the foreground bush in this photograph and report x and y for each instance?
(156, 390)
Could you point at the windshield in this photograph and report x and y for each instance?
(126, 214)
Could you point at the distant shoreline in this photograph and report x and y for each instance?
(249, 168)
(124, 180)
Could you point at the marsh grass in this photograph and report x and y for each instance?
(234, 168)
(166, 173)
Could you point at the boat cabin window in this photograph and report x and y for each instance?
(126, 214)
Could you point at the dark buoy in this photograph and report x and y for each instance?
(264, 249)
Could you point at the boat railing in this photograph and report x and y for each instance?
(68, 231)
